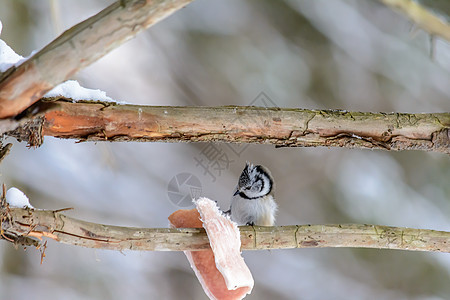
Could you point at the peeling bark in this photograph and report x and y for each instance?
(99, 121)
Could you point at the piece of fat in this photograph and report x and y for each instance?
(225, 241)
(221, 270)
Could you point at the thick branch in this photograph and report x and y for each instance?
(77, 48)
(97, 121)
(20, 223)
(421, 16)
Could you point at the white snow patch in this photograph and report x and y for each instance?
(8, 57)
(69, 89)
(16, 198)
(73, 90)
(356, 136)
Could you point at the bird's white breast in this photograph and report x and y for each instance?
(259, 211)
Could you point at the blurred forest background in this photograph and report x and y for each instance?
(354, 55)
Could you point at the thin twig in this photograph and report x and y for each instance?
(4, 150)
(47, 223)
(423, 17)
(63, 209)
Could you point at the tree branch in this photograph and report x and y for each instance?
(282, 127)
(78, 47)
(421, 16)
(22, 224)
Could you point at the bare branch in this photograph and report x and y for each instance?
(4, 150)
(430, 22)
(78, 47)
(98, 121)
(20, 223)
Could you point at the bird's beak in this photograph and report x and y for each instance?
(235, 193)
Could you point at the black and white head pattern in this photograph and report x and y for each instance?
(254, 182)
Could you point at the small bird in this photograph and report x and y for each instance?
(253, 202)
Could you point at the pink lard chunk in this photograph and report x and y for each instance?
(221, 271)
(225, 241)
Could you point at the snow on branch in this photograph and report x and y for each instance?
(78, 47)
(282, 127)
(27, 226)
